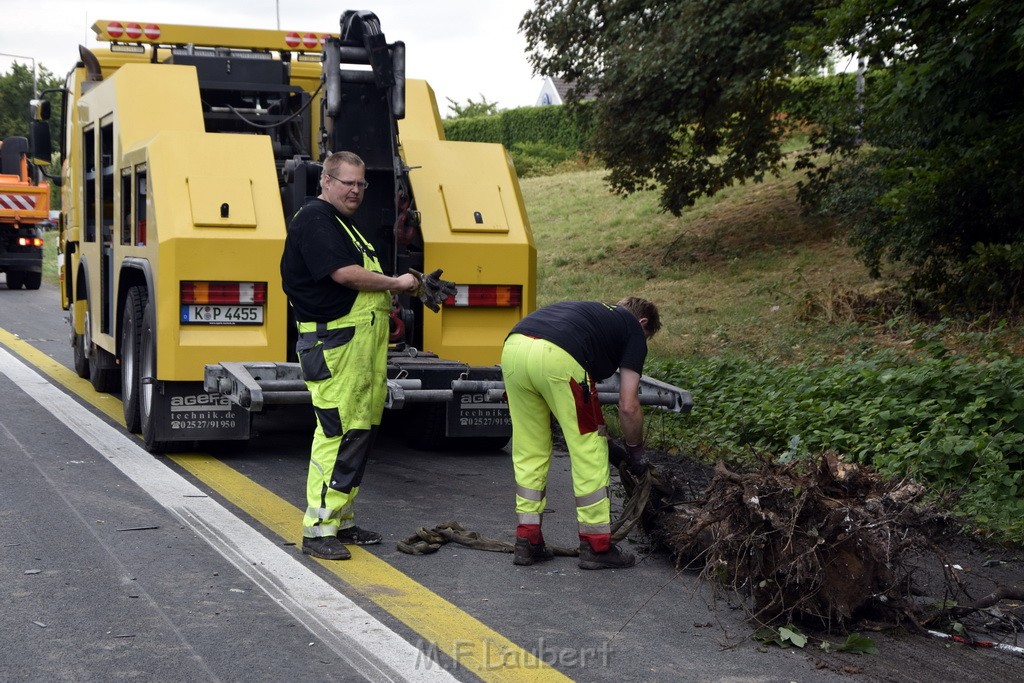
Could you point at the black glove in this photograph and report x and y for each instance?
(433, 290)
(616, 453)
(636, 459)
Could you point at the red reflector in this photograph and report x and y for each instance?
(223, 292)
(487, 295)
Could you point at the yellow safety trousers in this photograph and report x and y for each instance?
(344, 364)
(542, 380)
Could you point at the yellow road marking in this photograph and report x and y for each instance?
(468, 641)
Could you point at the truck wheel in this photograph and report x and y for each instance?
(33, 280)
(483, 443)
(102, 369)
(81, 361)
(131, 339)
(151, 403)
(14, 279)
(426, 426)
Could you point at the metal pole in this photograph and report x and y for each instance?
(277, 6)
(862, 67)
(35, 77)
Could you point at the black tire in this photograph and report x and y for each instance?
(425, 426)
(483, 443)
(81, 359)
(33, 280)
(151, 402)
(15, 279)
(103, 371)
(131, 340)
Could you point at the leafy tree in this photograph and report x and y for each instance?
(471, 108)
(689, 89)
(15, 95)
(939, 185)
(925, 167)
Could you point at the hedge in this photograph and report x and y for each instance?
(554, 125)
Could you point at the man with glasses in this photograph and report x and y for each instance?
(342, 302)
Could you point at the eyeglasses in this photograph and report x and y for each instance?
(351, 184)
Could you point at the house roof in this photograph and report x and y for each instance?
(556, 91)
(563, 88)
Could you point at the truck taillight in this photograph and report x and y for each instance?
(30, 241)
(486, 295)
(223, 292)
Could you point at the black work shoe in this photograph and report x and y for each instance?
(614, 558)
(527, 553)
(325, 547)
(353, 535)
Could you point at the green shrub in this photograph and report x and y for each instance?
(559, 127)
(539, 158)
(474, 129)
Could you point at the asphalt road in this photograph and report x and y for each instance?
(118, 564)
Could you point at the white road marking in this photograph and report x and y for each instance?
(371, 648)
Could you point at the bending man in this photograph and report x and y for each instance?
(551, 362)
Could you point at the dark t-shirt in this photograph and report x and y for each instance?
(601, 337)
(315, 247)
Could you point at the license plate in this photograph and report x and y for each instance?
(209, 314)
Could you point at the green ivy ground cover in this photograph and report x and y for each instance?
(952, 423)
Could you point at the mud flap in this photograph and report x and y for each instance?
(184, 412)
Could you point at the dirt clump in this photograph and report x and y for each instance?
(832, 546)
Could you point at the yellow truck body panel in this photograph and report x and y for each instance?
(475, 222)
(157, 121)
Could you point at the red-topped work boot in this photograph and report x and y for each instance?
(527, 553)
(613, 558)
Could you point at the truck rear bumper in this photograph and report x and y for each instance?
(25, 262)
(26, 258)
(475, 396)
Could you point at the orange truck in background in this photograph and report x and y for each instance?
(24, 207)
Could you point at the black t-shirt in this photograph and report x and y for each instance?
(315, 247)
(601, 337)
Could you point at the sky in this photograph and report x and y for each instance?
(465, 49)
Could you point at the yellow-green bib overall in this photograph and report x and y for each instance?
(344, 364)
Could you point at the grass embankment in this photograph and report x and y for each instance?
(50, 256)
(787, 345)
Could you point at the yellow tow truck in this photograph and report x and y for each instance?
(186, 149)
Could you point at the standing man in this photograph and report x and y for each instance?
(341, 299)
(551, 362)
